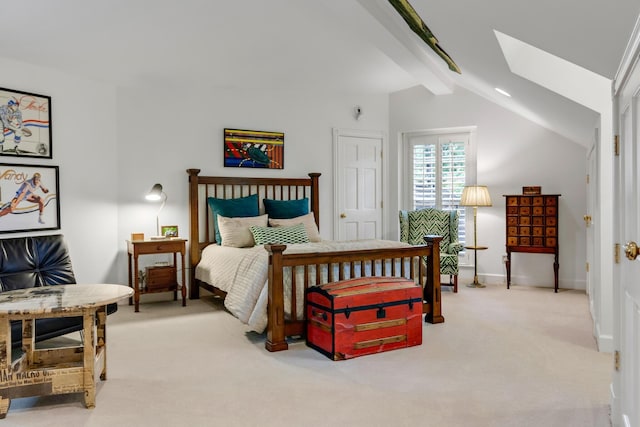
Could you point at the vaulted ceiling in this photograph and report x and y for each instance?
(353, 46)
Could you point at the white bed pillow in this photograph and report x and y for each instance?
(309, 224)
(235, 231)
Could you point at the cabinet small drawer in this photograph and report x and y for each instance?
(525, 220)
(538, 241)
(512, 201)
(551, 221)
(512, 220)
(512, 241)
(538, 231)
(551, 201)
(525, 210)
(551, 242)
(538, 201)
(512, 210)
(550, 210)
(525, 241)
(538, 210)
(525, 201)
(551, 231)
(525, 231)
(512, 231)
(538, 220)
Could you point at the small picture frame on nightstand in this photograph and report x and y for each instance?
(169, 231)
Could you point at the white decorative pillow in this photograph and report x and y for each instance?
(309, 224)
(279, 235)
(235, 231)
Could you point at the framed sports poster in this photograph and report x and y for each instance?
(253, 149)
(29, 198)
(25, 119)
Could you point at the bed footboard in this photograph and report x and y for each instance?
(422, 266)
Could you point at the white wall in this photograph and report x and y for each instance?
(113, 144)
(512, 152)
(85, 149)
(164, 131)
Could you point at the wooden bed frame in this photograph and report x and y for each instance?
(350, 263)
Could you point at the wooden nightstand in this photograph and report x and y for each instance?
(153, 247)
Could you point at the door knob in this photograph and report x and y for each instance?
(631, 250)
(343, 215)
(587, 219)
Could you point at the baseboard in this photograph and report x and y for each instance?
(500, 279)
(614, 408)
(604, 341)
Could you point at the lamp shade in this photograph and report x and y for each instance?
(155, 193)
(475, 195)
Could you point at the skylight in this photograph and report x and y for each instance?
(554, 73)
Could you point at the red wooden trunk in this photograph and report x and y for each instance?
(362, 316)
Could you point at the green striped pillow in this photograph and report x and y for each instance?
(279, 235)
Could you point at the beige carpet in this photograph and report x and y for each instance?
(523, 357)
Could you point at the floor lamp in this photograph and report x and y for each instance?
(475, 195)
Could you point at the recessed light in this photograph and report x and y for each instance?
(504, 92)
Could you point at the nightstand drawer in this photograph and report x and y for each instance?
(160, 277)
(151, 247)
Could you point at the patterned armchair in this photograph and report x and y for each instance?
(414, 225)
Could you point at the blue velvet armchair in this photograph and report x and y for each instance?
(414, 225)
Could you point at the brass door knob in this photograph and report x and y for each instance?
(343, 215)
(631, 250)
(587, 219)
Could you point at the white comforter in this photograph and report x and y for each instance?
(242, 274)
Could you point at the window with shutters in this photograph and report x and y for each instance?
(439, 164)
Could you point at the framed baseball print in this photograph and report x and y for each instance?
(25, 119)
(29, 198)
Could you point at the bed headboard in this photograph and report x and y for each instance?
(225, 187)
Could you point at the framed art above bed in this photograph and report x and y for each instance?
(253, 149)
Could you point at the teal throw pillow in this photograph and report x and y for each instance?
(279, 235)
(284, 209)
(232, 208)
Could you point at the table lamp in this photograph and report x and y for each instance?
(475, 195)
(154, 195)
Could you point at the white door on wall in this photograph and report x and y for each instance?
(358, 184)
(588, 217)
(626, 378)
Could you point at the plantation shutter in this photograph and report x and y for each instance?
(439, 173)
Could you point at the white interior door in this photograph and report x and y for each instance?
(626, 378)
(358, 185)
(588, 217)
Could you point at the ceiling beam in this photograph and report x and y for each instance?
(377, 22)
(406, 49)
